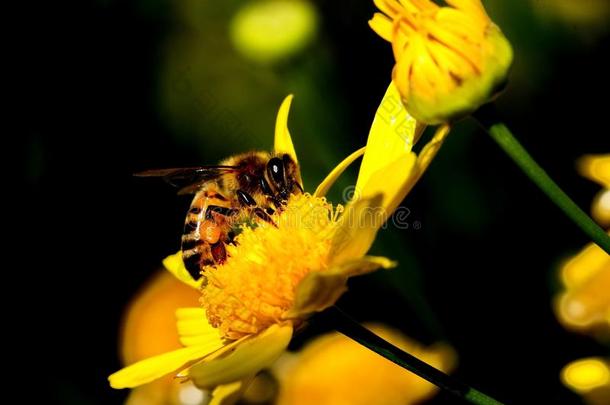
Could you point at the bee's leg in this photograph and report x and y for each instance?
(231, 238)
(266, 189)
(245, 199)
(216, 209)
(291, 169)
(298, 186)
(259, 212)
(219, 252)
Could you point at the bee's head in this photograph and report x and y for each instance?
(284, 175)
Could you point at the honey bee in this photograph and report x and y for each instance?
(241, 190)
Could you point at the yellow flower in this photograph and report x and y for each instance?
(449, 60)
(275, 277)
(590, 378)
(585, 303)
(335, 370)
(597, 168)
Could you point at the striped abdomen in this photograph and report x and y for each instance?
(206, 230)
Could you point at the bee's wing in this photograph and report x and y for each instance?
(188, 179)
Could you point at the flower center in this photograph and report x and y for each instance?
(257, 284)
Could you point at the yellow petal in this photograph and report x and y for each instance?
(396, 180)
(392, 135)
(425, 157)
(155, 367)
(382, 25)
(432, 147)
(336, 172)
(368, 212)
(470, 6)
(152, 313)
(600, 208)
(596, 168)
(253, 354)
(582, 267)
(390, 183)
(321, 289)
(229, 394)
(587, 374)
(195, 330)
(379, 198)
(283, 141)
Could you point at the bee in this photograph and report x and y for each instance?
(242, 190)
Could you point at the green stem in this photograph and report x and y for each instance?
(488, 119)
(338, 320)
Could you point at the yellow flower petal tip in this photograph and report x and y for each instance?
(600, 208)
(150, 369)
(175, 265)
(449, 60)
(228, 394)
(282, 143)
(328, 182)
(585, 375)
(596, 168)
(585, 303)
(392, 135)
(270, 31)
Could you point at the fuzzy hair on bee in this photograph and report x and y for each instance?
(241, 191)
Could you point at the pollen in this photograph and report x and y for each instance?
(256, 285)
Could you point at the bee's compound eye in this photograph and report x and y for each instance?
(275, 168)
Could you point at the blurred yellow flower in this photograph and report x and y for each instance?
(335, 370)
(276, 276)
(585, 303)
(271, 30)
(149, 329)
(449, 60)
(590, 378)
(597, 168)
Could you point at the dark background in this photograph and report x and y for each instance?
(102, 97)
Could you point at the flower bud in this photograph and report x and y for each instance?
(449, 60)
